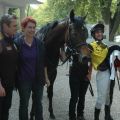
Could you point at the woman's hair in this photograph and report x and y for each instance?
(26, 20)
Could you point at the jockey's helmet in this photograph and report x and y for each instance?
(97, 27)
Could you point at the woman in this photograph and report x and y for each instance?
(79, 81)
(32, 72)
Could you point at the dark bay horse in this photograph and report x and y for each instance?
(72, 32)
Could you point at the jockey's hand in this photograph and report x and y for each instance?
(2, 91)
(47, 82)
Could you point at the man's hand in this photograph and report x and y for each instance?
(2, 91)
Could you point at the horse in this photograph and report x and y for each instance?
(71, 32)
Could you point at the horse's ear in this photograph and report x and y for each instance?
(85, 16)
(72, 15)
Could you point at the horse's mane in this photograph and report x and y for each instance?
(42, 32)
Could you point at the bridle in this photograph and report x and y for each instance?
(71, 49)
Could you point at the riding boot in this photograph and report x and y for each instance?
(96, 114)
(107, 113)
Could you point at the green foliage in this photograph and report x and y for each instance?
(12, 11)
(89, 7)
(59, 9)
(96, 10)
(43, 14)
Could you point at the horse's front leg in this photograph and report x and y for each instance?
(50, 96)
(50, 93)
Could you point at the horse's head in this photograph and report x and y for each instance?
(72, 32)
(76, 36)
(77, 31)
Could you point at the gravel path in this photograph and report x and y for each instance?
(61, 100)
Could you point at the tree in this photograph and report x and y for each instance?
(97, 10)
(12, 11)
(55, 10)
(62, 8)
(42, 15)
(110, 11)
(107, 10)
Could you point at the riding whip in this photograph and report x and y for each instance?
(91, 89)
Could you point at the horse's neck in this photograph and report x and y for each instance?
(54, 41)
(57, 37)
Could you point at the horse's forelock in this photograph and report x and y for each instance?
(79, 21)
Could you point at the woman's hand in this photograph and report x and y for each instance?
(89, 72)
(2, 91)
(47, 82)
(89, 76)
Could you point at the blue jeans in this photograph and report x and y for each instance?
(25, 89)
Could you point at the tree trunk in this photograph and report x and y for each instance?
(105, 6)
(114, 28)
(115, 22)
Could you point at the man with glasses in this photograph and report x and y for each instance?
(8, 63)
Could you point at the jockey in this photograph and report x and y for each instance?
(100, 51)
